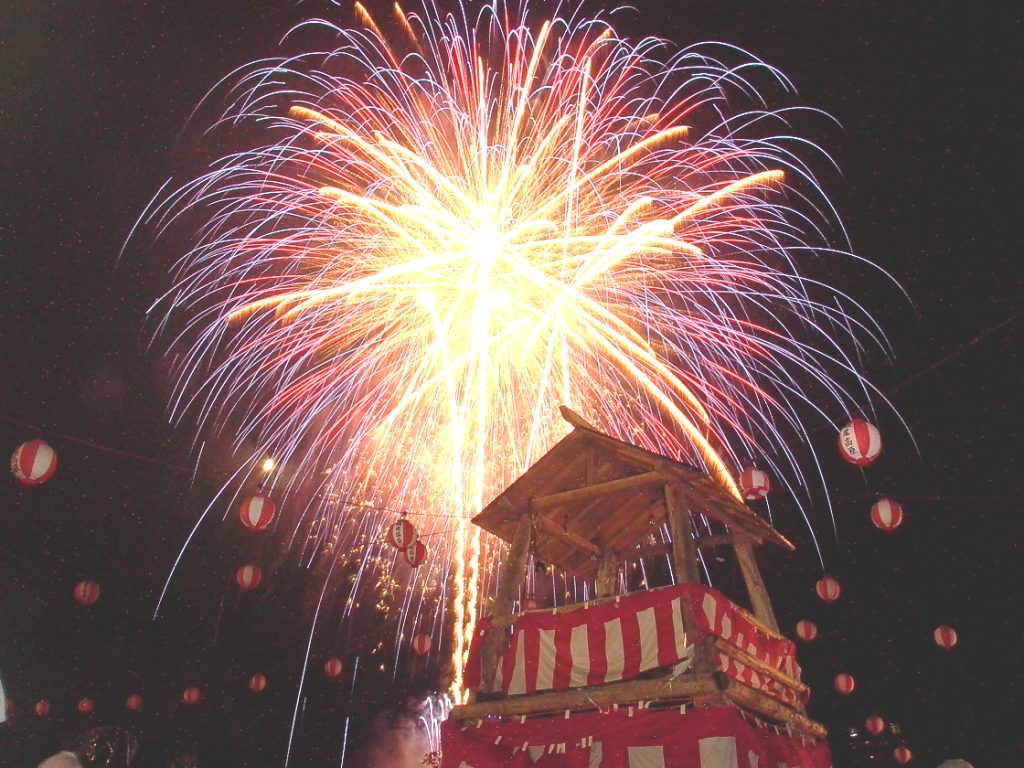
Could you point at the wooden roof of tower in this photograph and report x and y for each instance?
(593, 494)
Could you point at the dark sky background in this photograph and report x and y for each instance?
(93, 99)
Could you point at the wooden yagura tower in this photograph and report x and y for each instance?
(675, 676)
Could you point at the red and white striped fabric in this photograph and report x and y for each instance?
(248, 577)
(860, 442)
(33, 462)
(257, 512)
(886, 514)
(754, 483)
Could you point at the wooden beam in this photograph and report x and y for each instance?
(724, 646)
(588, 492)
(511, 576)
(629, 692)
(660, 550)
(573, 539)
(680, 528)
(759, 599)
(764, 705)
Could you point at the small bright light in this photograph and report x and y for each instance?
(268, 465)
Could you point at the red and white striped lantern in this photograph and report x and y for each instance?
(402, 534)
(133, 703)
(87, 592)
(860, 442)
(85, 705)
(874, 725)
(902, 755)
(421, 644)
(828, 589)
(333, 667)
(257, 683)
(191, 696)
(844, 684)
(945, 637)
(806, 630)
(415, 554)
(33, 462)
(257, 512)
(887, 514)
(42, 707)
(754, 483)
(248, 577)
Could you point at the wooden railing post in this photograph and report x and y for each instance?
(759, 600)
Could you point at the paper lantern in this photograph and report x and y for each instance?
(33, 462)
(874, 725)
(257, 683)
(85, 705)
(421, 644)
(333, 667)
(902, 755)
(945, 637)
(42, 707)
(256, 512)
(844, 684)
(754, 483)
(828, 589)
(87, 592)
(416, 554)
(191, 696)
(806, 630)
(860, 442)
(134, 703)
(248, 577)
(402, 534)
(887, 514)
(9, 707)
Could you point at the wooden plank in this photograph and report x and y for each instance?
(680, 528)
(660, 550)
(572, 539)
(720, 644)
(629, 692)
(588, 492)
(765, 706)
(759, 599)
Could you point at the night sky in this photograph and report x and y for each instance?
(94, 100)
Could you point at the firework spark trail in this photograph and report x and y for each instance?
(452, 234)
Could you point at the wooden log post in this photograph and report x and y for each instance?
(759, 600)
(607, 582)
(680, 528)
(512, 575)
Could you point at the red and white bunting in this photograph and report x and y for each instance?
(416, 554)
(902, 755)
(860, 442)
(248, 577)
(257, 683)
(806, 630)
(844, 684)
(421, 644)
(828, 589)
(887, 514)
(33, 462)
(257, 512)
(133, 703)
(754, 483)
(87, 592)
(402, 534)
(945, 637)
(191, 696)
(85, 705)
(42, 707)
(874, 725)
(333, 667)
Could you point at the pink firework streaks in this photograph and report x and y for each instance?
(459, 225)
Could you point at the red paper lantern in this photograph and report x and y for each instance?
(828, 589)
(860, 442)
(257, 512)
(874, 725)
(134, 703)
(191, 696)
(333, 667)
(257, 683)
(33, 462)
(887, 514)
(42, 707)
(806, 630)
(9, 707)
(902, 755)
(421, 644)
(844, 684)
(248, 577)
(754, 483)
(402, 534)
(415, 554)
(85, 705)
(945, 637)
(87, 592)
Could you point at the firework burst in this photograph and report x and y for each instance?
(457, 226)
